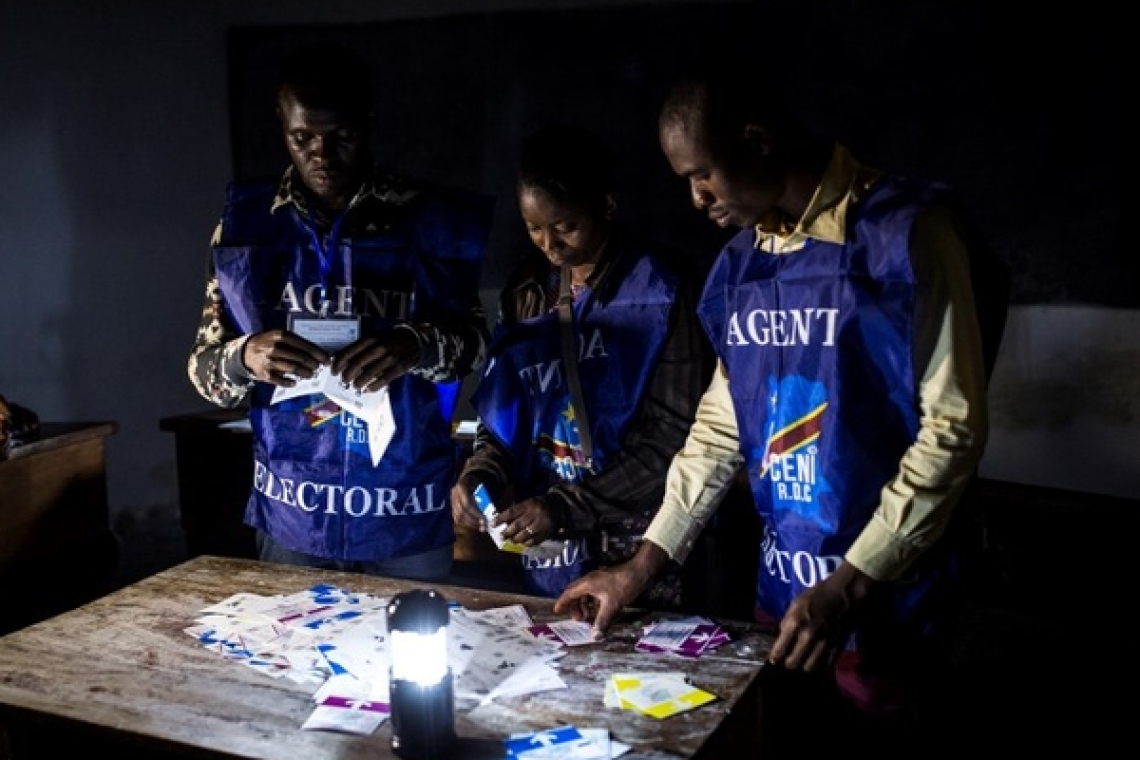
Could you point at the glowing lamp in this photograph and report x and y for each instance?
(420, 695)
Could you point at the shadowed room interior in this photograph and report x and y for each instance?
(125, 123)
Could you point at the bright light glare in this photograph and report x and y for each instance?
(419, 657)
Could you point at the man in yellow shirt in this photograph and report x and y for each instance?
(850, 387)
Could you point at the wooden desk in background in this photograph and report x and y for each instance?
(55, 536)
(122, 670)
(214, 461)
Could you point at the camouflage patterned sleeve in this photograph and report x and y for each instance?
(452, 352)
(215, 366)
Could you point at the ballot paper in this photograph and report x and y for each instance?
(572, 633)
(507, 616)
(373, 407)
(529, 677)
(352, 716)
(658, 695)
(487, 507)
(483, 655)
(688, 637)
(565, 743)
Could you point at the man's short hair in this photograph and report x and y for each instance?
(719, 95)
(328, 76)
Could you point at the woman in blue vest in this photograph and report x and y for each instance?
(341, 268)
(576, 479)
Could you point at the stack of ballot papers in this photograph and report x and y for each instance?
(688, 637)
(336, 642)
(657, 695)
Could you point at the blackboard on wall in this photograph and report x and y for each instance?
(1025, 121)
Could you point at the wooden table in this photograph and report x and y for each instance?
(122, 669)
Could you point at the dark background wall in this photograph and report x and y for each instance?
(1023, 120)
(120, 123)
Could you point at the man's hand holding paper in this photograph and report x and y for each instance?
(373, 362)
(356, 378)
(282, 357)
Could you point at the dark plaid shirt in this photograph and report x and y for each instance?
(633, 481)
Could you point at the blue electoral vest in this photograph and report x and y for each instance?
(523, 398)
(315, 488)
(818, 348)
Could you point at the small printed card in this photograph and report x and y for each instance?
(690, 637)
(569, 632)
(658, 695)
(352, 716)
(565, 743)
(331, 334)
(483, 499)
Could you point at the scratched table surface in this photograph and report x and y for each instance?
(122, 666)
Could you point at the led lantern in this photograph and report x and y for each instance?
(420, 695)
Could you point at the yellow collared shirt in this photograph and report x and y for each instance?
(917, 503)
